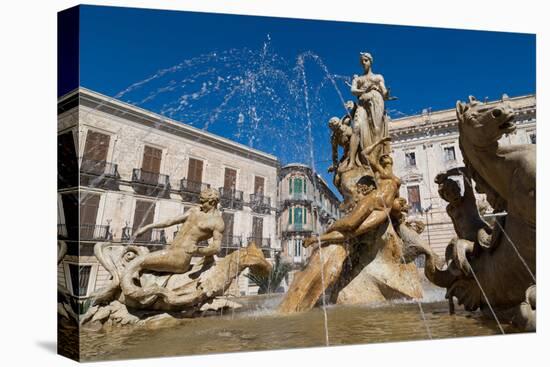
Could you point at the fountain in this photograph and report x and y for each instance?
(370, 268)
(363, 263)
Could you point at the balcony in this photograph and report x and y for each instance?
(231, 198)
(297, 229)
(151, 237)
(99, 174)
(190, 190)
(296, 198)
(262, 242)
(92, 232)
(232, 242)
(260, 203)
(150, 183)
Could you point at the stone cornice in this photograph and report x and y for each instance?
(437, 122)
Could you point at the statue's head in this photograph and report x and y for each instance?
(365, 59)
(350, 105)
(209, 198)
(449, 190)
(483, 124)
(366, 185)
(333, 123)
(385, 160)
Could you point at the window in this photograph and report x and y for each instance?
(410, 159)
(298, 184)
(194, 171)
(413, 193)
(257, 227)
(229, 220)
(143, 215)
(259, 183)
(533, 138)
(80, 277)
(151, 159)
(449, 153)
(67, 163)
(89, 205)
(70, 210)
(298, 216)
(230, 179)
(96, 147)
(297, 248)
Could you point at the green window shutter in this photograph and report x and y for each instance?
(305, 185)
(305, 215)
(290, 216)
(290, 185)
(298, 215)
(298, 185)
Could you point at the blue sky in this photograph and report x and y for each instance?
(241, 77)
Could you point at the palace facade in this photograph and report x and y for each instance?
(122, 167)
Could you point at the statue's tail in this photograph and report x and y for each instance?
(108, 293)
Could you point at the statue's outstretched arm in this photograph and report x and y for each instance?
(163, 224)
(351, 221)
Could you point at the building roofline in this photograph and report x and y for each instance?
(110, 105)
(452, 110)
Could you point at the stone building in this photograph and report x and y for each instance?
(427, 144)
(306, 207)
(122, 167)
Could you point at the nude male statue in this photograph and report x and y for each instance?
(198, 224)
(373, 206)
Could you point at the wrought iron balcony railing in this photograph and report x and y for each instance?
(231, 198)
(152, 236)
(150, 178)
(299, 196)
(262, 242)
(98, 168)
(299, 227)
(260, 199)
(231, 194)
(93, 232)
(232, 241)
(193, 187)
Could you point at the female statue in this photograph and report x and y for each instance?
(369, 122)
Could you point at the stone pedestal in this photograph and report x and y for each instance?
(369, 271)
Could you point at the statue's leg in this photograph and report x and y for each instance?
(169, 261)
